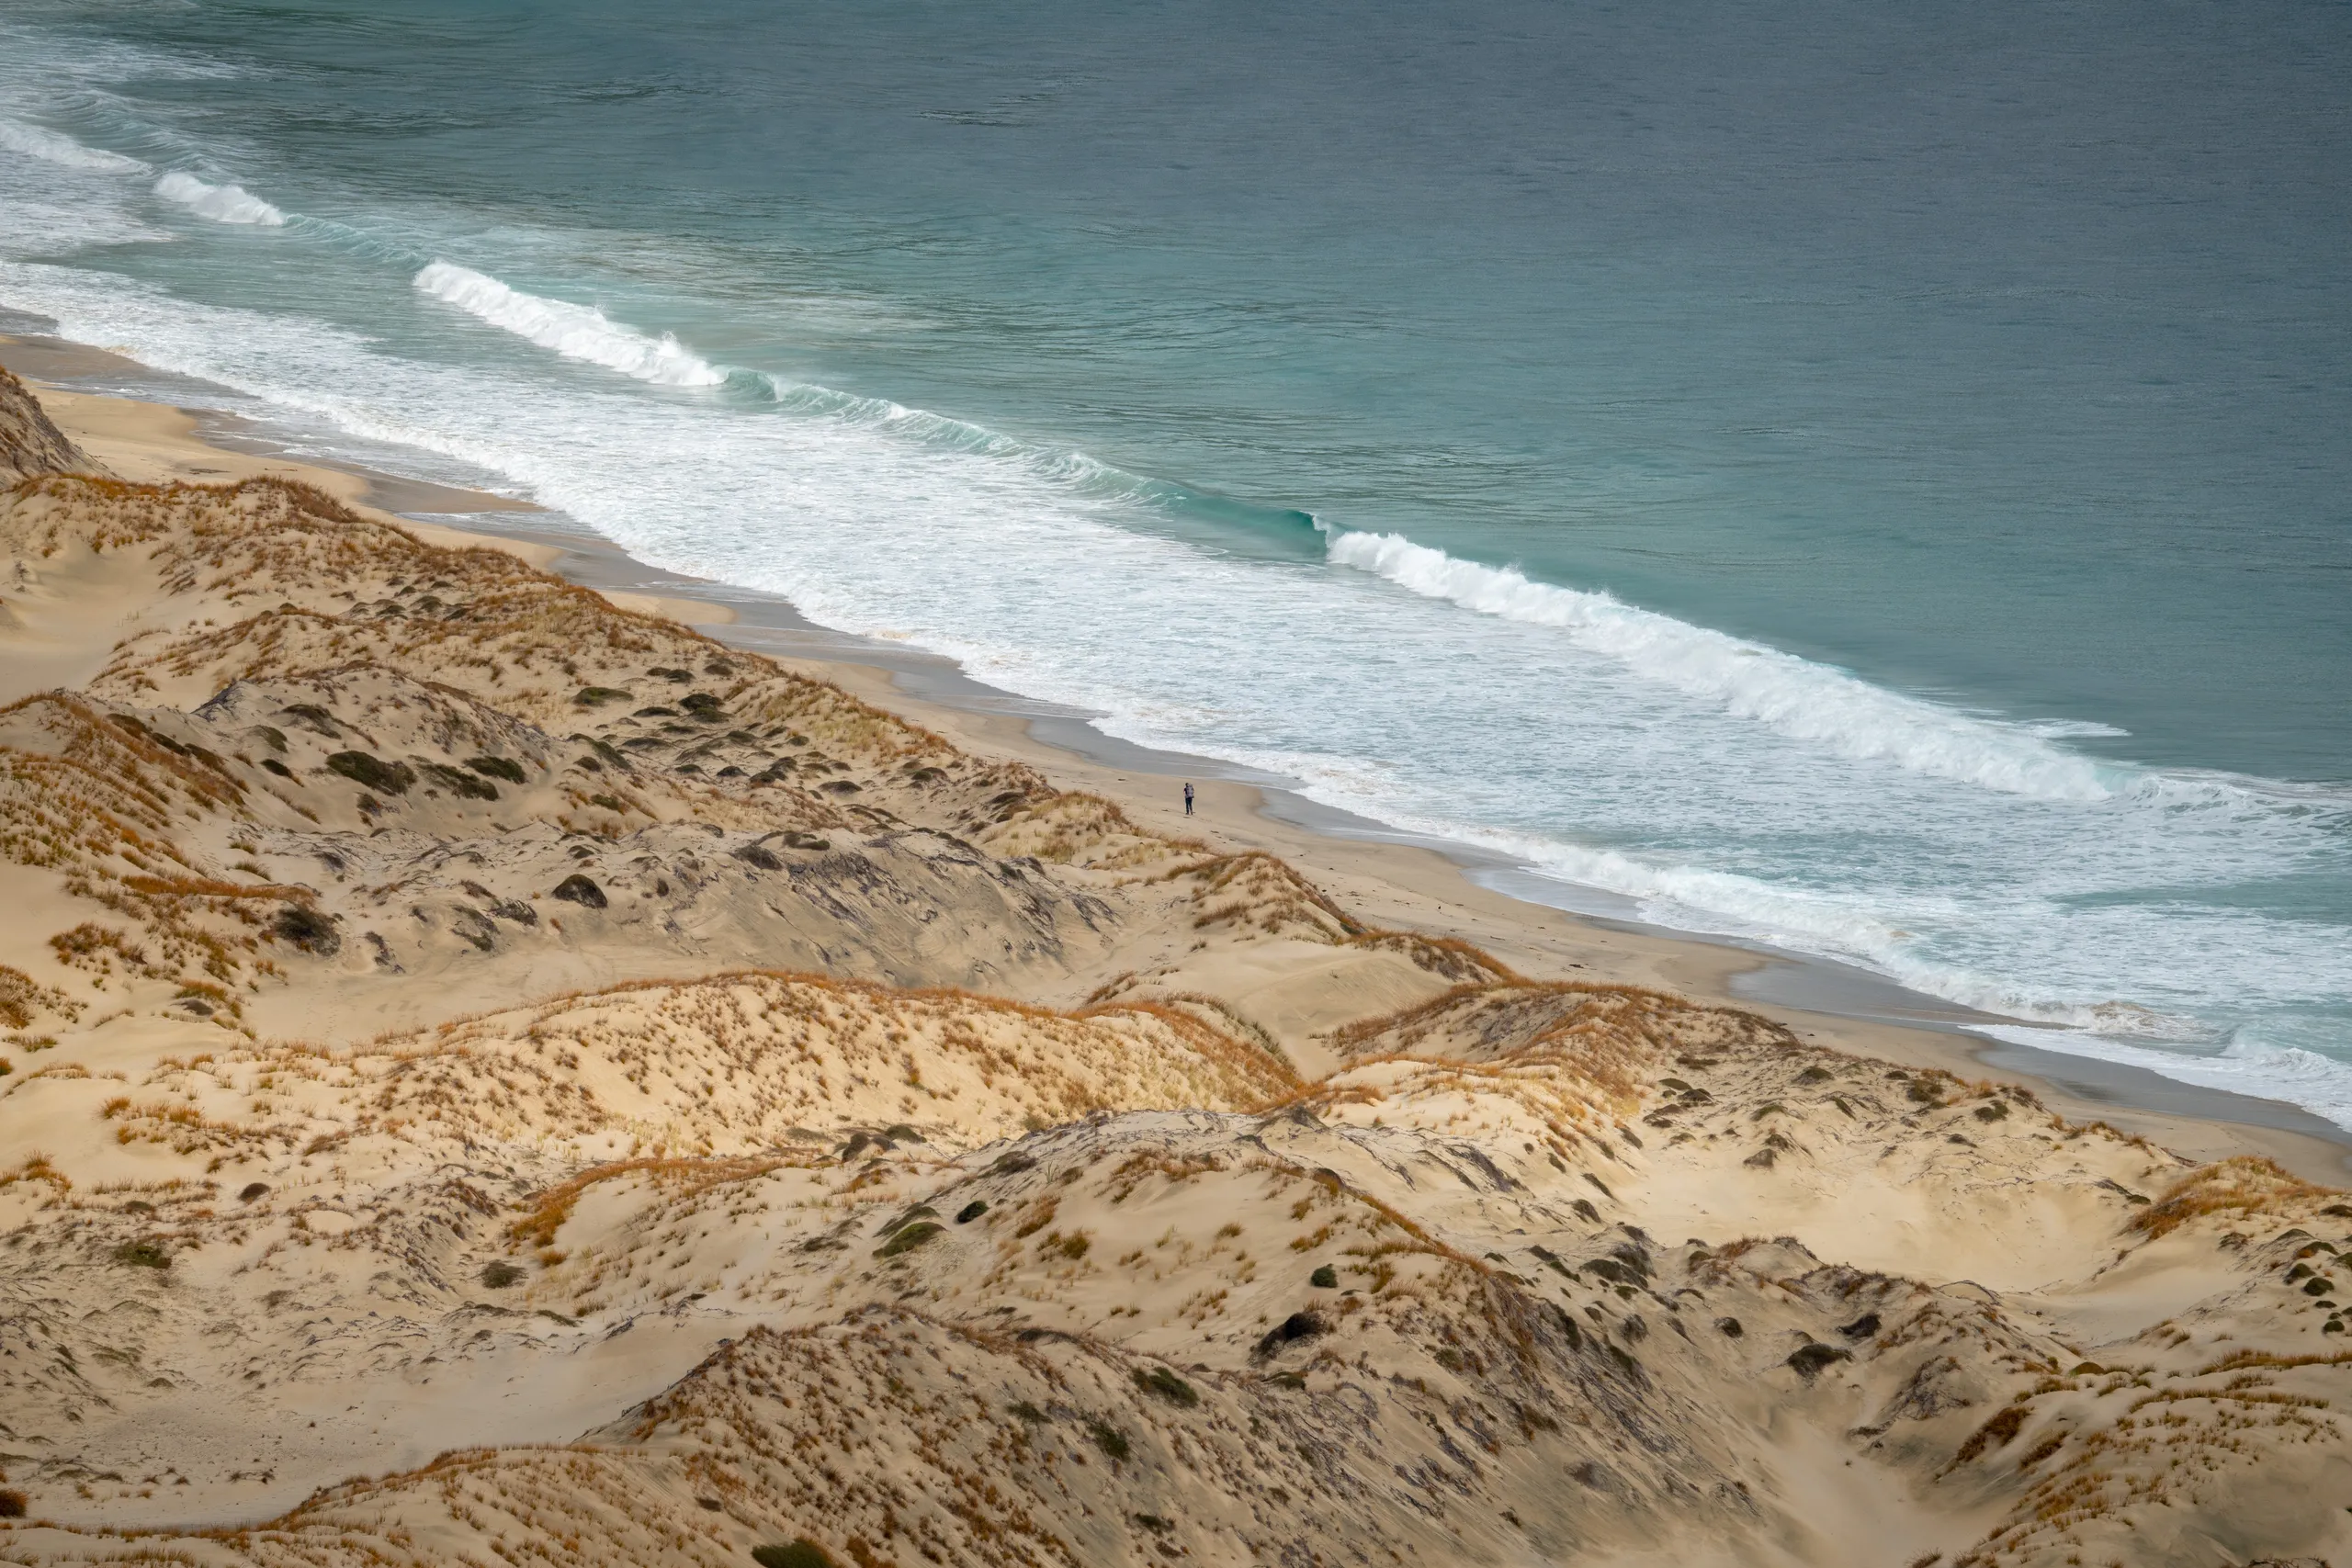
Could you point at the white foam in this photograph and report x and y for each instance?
(32, 227)
(576, 331)
(2072, 728)
(1493, 728)
(2301, 1078)
(1795, 697)
(41, 142)
(223, 204)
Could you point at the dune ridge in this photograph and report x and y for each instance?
(494, 1076)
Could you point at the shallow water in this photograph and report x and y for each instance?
(1870, 481)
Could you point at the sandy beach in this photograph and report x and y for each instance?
(1403, 882)
(512, 1055)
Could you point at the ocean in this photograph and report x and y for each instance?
(1874, 481)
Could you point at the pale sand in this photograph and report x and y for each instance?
(1396, 884)
(483, 1205)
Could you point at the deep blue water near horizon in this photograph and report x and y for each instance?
(1871, 479)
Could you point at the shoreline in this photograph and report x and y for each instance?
(1396, 877)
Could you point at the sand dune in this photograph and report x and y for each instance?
(496, 1077)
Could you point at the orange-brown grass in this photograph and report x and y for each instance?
(187, 1130)
(1483, 1017)
(1257, 892)
(1248, 1057)
(685, 1178)
(37, 1168)
(1232, 1017)
(1250, 892)
(207, 887)
(100, 805)
(519, 635)
(1073, 828)
(1448, 957)
(2181, 1458)
(2246, 1185)
(2105, 1129)
(1547, 1059)
(1129, 1172)
(1554, 1086)
(333, 590)
(2238, 1361)
(22, 999)
(1495, 1299)
(742, 1061)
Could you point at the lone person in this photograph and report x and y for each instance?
(1188, 797)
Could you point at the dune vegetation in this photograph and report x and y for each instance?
(487, 1077)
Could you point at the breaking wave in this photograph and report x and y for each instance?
(1797, 697)
(223, 204)
(576, 331)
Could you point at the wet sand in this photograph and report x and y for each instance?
(1396, 878)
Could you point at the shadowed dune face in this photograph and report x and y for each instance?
(30, 446)
(494, 1076)
(427, 740)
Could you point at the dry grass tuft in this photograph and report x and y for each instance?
(22, 999)
(2246, 1185)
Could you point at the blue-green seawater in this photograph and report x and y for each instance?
(1874, 479)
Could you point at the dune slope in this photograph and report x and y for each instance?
(494, 1077)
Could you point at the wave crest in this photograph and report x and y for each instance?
(38, 142)
(223, 204)
(1794, 697)
(576, 331)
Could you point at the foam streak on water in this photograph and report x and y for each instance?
(1392, 702)
(1722, 784)
(19, 137)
